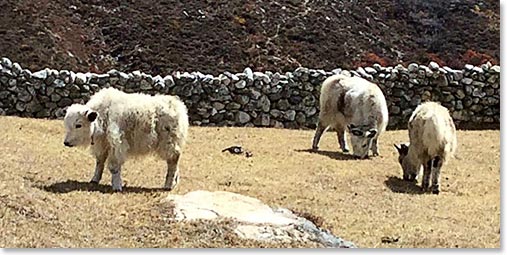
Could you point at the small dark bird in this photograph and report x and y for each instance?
(234, 149)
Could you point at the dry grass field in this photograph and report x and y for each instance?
(46, 201)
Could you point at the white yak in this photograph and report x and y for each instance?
(117, 124)
(433, 141)
(356, 105)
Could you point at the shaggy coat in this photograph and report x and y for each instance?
(433, 141)
(356, 105)
(117, 125)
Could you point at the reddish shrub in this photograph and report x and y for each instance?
(475, 58)
(371, 58)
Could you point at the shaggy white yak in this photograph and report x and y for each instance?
(117, 124)
(355, 104)
(433, 141)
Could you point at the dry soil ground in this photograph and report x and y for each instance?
(46, 201)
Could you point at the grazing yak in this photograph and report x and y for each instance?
(433, 141)
(356, 105)
(117, 125)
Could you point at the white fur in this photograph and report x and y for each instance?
(129, 125)
(356, 105)
(433, 141)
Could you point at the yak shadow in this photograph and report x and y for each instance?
(399, 185)
(331, 154)
(71, 185)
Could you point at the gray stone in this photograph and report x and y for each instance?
(169, 81)
(459, 105)
(242, 99)
(59, 83)
(34, 107)
(42, 74)
(249, 73)
(469, 67)
(242, 117)
(24, 96)
(370, 70)
(65, 102)
(478, 93)
(300, 118)
(261, 76)
(460, 94)
(467, 81)
(20, 106)
(495, 69)
(12, 83)
(283, 104)
(433, 66)
(145, 85)
(16, 69)
(233, 106)
(413, 67)
(275, 113)
(6, 63)
(253, 219)
(55, 97)
(4, 94)
(265, 119)
(4, 80)
(290, 115)
(240, 84)
(264, 103)
(310, 111)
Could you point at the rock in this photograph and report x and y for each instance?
(6, 63)
(261, 76)
(233, 106)
(459, 105)
(460, 94)
(283, 104)
(242, 99)
(264, 103)
(370, 70)
(467, 81)
(393, 109)
(265, 119)
(301, 118)
(65, 102)
(495, 69)
(55, 97)
(42, 74)
(249, 74)
(240, 84)
(34, 107)
(290, 115)
(413, 67)
(275, 113)
(81, 79)
(433, 66)
(469, 67)
(24, 96)
(242, 117)
(253, 219)
(145, 85)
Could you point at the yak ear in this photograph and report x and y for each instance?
(92, 115)
(402, 148)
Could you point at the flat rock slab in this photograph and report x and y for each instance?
(255, 219)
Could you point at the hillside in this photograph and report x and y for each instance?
(162, 36)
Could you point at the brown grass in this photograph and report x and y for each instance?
(46, 201)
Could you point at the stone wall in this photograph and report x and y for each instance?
(266, 99)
